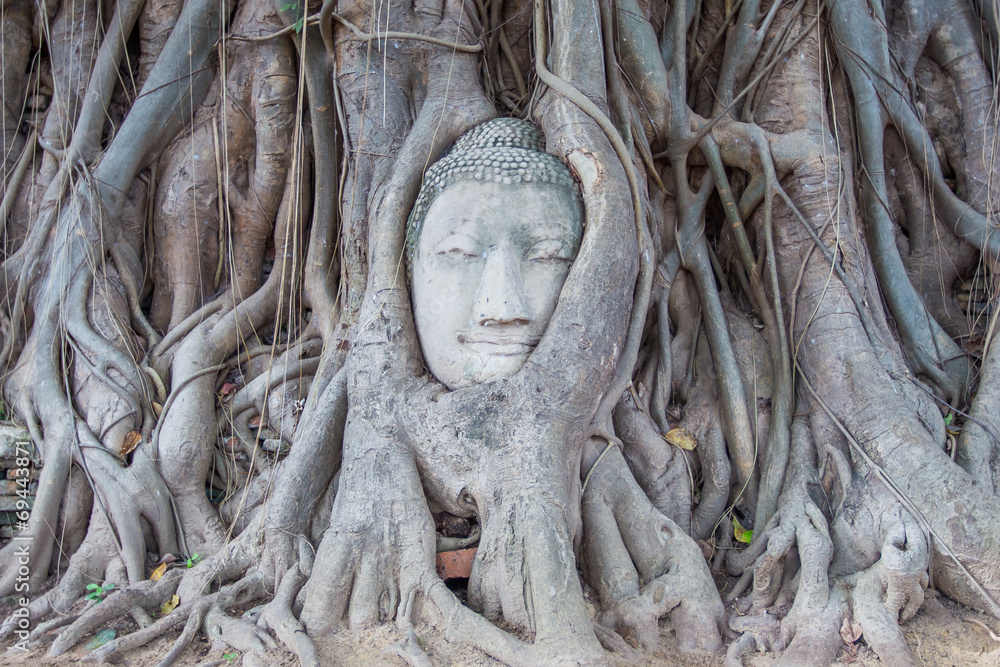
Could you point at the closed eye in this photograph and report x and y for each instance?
(550, 251)
(458, 246)
(458, 253)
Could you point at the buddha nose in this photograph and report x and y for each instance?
(501, 298)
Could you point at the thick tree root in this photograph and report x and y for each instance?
(891, 591)
(644, 566)
(278, 617)
(462, 624)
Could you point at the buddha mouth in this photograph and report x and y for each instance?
(500, 346)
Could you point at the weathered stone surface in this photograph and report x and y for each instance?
(487, 274)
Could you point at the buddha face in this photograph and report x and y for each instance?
(487, 271)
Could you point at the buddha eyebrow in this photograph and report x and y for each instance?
(453, 233)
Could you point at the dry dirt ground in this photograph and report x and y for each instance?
(938, 636)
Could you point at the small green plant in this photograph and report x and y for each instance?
(193, 559)
(230, 657)
(294, 6)
(97, 592)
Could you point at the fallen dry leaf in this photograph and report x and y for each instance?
(679, 437)
(157, 408)
(131, 441)
(169, 605)
(850, 632)
(158, 572)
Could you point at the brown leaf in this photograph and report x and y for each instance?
(157, 408)
(254, 421)
(679, 437)
(158, 572)
(131, 441)
(850, 632)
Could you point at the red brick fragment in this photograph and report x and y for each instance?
(455, 564)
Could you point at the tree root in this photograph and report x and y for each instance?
(354, 579)
(891, 591)
(464, 625)
(644, 566)
(139, 638)
(659, 468)
(151, 594)
(409, 650)
(278, 617)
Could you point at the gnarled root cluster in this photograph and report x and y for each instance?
(784, 282)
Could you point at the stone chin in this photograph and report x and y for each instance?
(480, 368)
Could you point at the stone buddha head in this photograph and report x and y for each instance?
(493, 233)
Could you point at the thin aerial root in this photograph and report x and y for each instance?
(161, 390)
(976, 621)
(132, 294)
(385, 36)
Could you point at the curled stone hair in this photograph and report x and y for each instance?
(503, 150)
